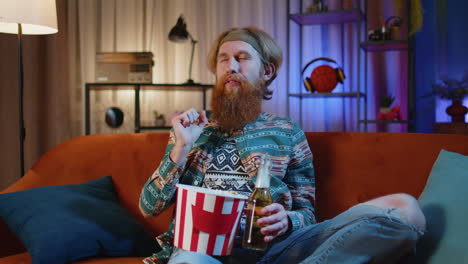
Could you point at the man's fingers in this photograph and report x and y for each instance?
(272, 209)
(189, 117)
(271, 219)
(185, 120)
(275, 221)
(193, 116)
(272, 231)
(273, 213)
(202, 119)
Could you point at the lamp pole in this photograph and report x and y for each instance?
(22, 130)
(26, 17)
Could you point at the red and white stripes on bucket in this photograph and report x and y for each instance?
(207, 220)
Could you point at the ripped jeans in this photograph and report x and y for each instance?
(362, 234)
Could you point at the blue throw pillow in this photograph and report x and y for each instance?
(444, 202)
(59, 224)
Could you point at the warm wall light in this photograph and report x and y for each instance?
(180, 34)
(28, 17)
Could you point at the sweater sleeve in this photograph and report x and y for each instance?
(301, 180)
(158, 192)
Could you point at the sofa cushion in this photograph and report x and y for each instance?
(59, 224)
(22, 258)
(444, 203)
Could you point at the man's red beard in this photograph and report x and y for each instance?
(234, 109)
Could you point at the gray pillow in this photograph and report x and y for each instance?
(444, 202)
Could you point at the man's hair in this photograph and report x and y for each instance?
(265, 45)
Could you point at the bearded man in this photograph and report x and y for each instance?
(222, 150)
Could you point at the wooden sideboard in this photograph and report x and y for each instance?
(451, 128)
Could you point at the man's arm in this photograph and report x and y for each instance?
(301, 181)
(158, 192)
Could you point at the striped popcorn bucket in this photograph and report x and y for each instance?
(207, 220)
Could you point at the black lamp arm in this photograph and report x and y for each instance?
(191, 58)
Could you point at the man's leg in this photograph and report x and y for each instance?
(407, 205)
(180, 256)
(375, 238)
(362, 234)
(239, 255)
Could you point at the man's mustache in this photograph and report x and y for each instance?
(232, 76)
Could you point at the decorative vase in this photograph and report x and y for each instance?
(160, 121)
(457, 111)
(383, 112)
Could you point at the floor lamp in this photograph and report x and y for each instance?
(26, 17)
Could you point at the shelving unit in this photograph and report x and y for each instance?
(137, 87)
(389, 45)
(331, 17)
(322, 95)
(372, 47)
(360, 92)
(353, 15)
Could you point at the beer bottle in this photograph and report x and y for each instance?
(259, 198)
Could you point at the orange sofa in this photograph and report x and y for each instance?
(350, 168)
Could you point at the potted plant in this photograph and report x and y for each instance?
(159, 119)
(455, 90)
(386, 112)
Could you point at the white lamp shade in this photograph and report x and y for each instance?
(37, 17)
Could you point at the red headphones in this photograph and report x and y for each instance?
(324, 78)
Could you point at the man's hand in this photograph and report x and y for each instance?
(187, 128)
(276, 219)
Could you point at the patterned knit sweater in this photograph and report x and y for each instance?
(292, 183)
